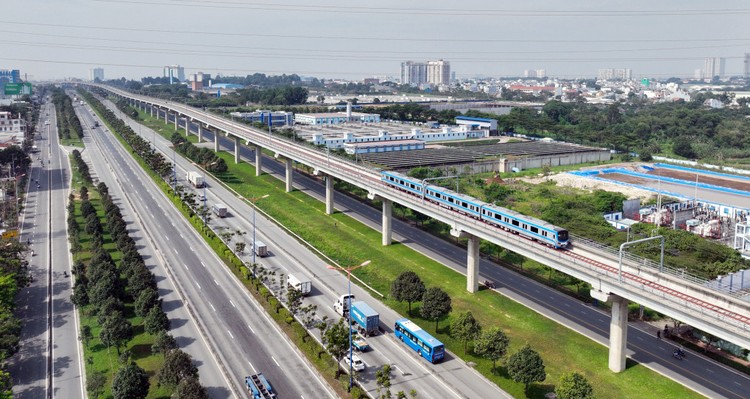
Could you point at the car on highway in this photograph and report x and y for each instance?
(357, 363)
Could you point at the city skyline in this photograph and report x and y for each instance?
(48, 39)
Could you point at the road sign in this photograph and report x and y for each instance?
(11, 89)
(10, 233)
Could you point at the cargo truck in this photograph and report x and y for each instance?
(196, 179)
(366, 319)
(341, 306)
(260, 248)
(299, 282)
(258, 387)
(220, 210)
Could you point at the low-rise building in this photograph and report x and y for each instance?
(335, 118)
(12, 129)
(383, 146)
(278, 118)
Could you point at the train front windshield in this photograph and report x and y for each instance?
(562, 235)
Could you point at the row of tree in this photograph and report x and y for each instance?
(200, 155)
(108, 288)
(68, 124)
(525, 366)
(140, 146)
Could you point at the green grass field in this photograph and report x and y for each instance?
(349, 242)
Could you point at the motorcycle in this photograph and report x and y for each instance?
(489, 284)
(678, 354)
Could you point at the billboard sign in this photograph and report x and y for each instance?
(12, 89)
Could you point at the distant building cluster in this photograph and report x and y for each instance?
(615, 74)
(199, 80)
(10, 76)
(432, 72)
(174, 72)
(96, 74)
(747, 65)
(534, 73)
(712, 66)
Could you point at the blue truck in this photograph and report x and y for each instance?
(366, 319)
(258, 387)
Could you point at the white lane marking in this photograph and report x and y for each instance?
(198, 285)
(203, 264)
(232, 303)
(175, 251)
(230, 334)
(217, 283)
(191, 249)
(181, 236)
(252, 367)
(166, 238)
(274, 360)
(251, 329)
(152, 215)
(186, 267)
(212, 306)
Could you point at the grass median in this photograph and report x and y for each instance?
(350, 242)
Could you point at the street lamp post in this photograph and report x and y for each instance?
(348, 271)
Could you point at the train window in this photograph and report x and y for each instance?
(534, 230)
(515, 223)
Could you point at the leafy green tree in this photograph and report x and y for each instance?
(407, 287)
(683, 148)
(465, 328)
(336, 340)
(95, 384)
(130, 382)
(163, 343)
(492, 344)
(146, 300)
(177, 366)
(574, 386)
(85, 335)
(6, 385)
(436, 304)
(156, 320)
(190, 388)
(383, 379)
(116, 331)
(526, 366)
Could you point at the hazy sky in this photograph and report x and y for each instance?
(354, 40)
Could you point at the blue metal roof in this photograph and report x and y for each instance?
(469, 118)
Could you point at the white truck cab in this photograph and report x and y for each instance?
(341, 306)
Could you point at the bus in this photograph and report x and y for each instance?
(420, 340)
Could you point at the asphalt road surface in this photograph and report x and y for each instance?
(243, 337)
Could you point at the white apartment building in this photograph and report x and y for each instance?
(439, 72)
(11, 129)
(713, 66)
(615, 74)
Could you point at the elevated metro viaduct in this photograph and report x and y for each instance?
(719, 313)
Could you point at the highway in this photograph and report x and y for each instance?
(49, 361)
(697, 372)
(451, 378)
(244, 339)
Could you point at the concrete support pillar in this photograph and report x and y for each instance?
(329, 194)
(216, 141)
(176, 119)
(387, 219)
(258, 160)
(289, 175)
(472, 264)
(187, 126)
(618, 333)
(152, 110)
(236, 150)
(166, 115)
(200, 132)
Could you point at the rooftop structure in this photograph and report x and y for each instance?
(96, 74)
(446, 133)
(383, 146)
(278, 118)
(11, 130)
(174, 72)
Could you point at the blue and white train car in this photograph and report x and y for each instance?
(507, 219)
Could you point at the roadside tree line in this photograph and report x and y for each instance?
(115, 292)
(68, 125)
(524, 366)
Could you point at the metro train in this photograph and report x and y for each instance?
(526, 226)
